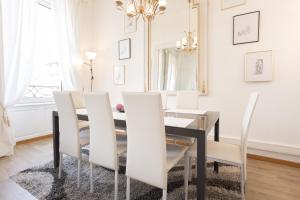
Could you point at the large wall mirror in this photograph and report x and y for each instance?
(177, 62)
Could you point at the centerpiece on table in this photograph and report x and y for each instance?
(120, 108)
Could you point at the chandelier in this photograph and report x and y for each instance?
(148, 9)
(188, 43)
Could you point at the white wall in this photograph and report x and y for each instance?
(108, 28)
(275, 125)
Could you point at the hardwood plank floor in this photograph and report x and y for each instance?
(266, 181)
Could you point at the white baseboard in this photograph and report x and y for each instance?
(28, 137)
(277, 151)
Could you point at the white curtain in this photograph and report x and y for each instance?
(67, 16)
(17, 28)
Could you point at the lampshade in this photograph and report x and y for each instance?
(90, 55)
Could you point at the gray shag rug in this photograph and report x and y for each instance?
(42, 183)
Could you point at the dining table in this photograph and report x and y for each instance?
(189, 123)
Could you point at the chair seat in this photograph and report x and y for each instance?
(84, 137)
(83, 125)
(220, 152)
(174, 154)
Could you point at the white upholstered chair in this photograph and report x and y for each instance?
(187, 100)
(229, 153)
(104, 150)
(79, 103)
(78, 99)
(72, 138)
(148, 157)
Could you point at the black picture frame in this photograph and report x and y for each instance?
(258, 28)
(124, 57)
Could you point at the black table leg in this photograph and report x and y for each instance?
(217, 139)
(201, 167)
(55, 123)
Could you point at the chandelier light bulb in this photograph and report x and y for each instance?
(162, 5)
(131, 12)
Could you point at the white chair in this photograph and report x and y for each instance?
(104, 150)
(78, 99)
(229, 153)
(187, 100)
(71, 137)
(149, 159)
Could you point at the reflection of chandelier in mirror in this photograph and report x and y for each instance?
(189, 42)
(148, 9)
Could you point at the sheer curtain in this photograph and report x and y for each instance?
(67, 19)
(17, 28)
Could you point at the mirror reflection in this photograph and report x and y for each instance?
(175, 49)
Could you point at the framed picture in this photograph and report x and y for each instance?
(259, 66)
(125, 49)
(129, 25)
(119, 75)
(246, 28)
(231, 3)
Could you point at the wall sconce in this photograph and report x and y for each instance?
(91, 56)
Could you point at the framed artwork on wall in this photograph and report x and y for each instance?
(259, 66)
(225, 4)
(125, 49)
(246, 28)
(119, 75)
(130, 25)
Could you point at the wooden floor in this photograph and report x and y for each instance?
(266, 181)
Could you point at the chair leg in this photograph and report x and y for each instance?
(60, 164)
(242, 181)
(186, 176)
(116, 184)
(91, 178)
(78, 173)
(164, 197)
(128, 188)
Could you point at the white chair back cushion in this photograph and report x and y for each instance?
(103, 146)
(187, 100)
(78, 99)
(68, 124)
(146, 139)
(246, 123)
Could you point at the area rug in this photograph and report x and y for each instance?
(42, 183)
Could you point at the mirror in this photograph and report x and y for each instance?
(175, 70)
(178, 48)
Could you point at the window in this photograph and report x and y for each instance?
(46, 76)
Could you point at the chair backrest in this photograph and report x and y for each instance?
(146, 139)
(103, 145)
(246, 123)
(78, 99)
(68, 124)
(187, 100)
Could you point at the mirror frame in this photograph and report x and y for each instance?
(202, 9)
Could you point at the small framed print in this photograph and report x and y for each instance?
(259, 66)
(246, 28)
(226, 4)
(125, 49)
(119, 75)
(129, 25)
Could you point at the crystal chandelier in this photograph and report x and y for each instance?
(148, 9)
(189, 42)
